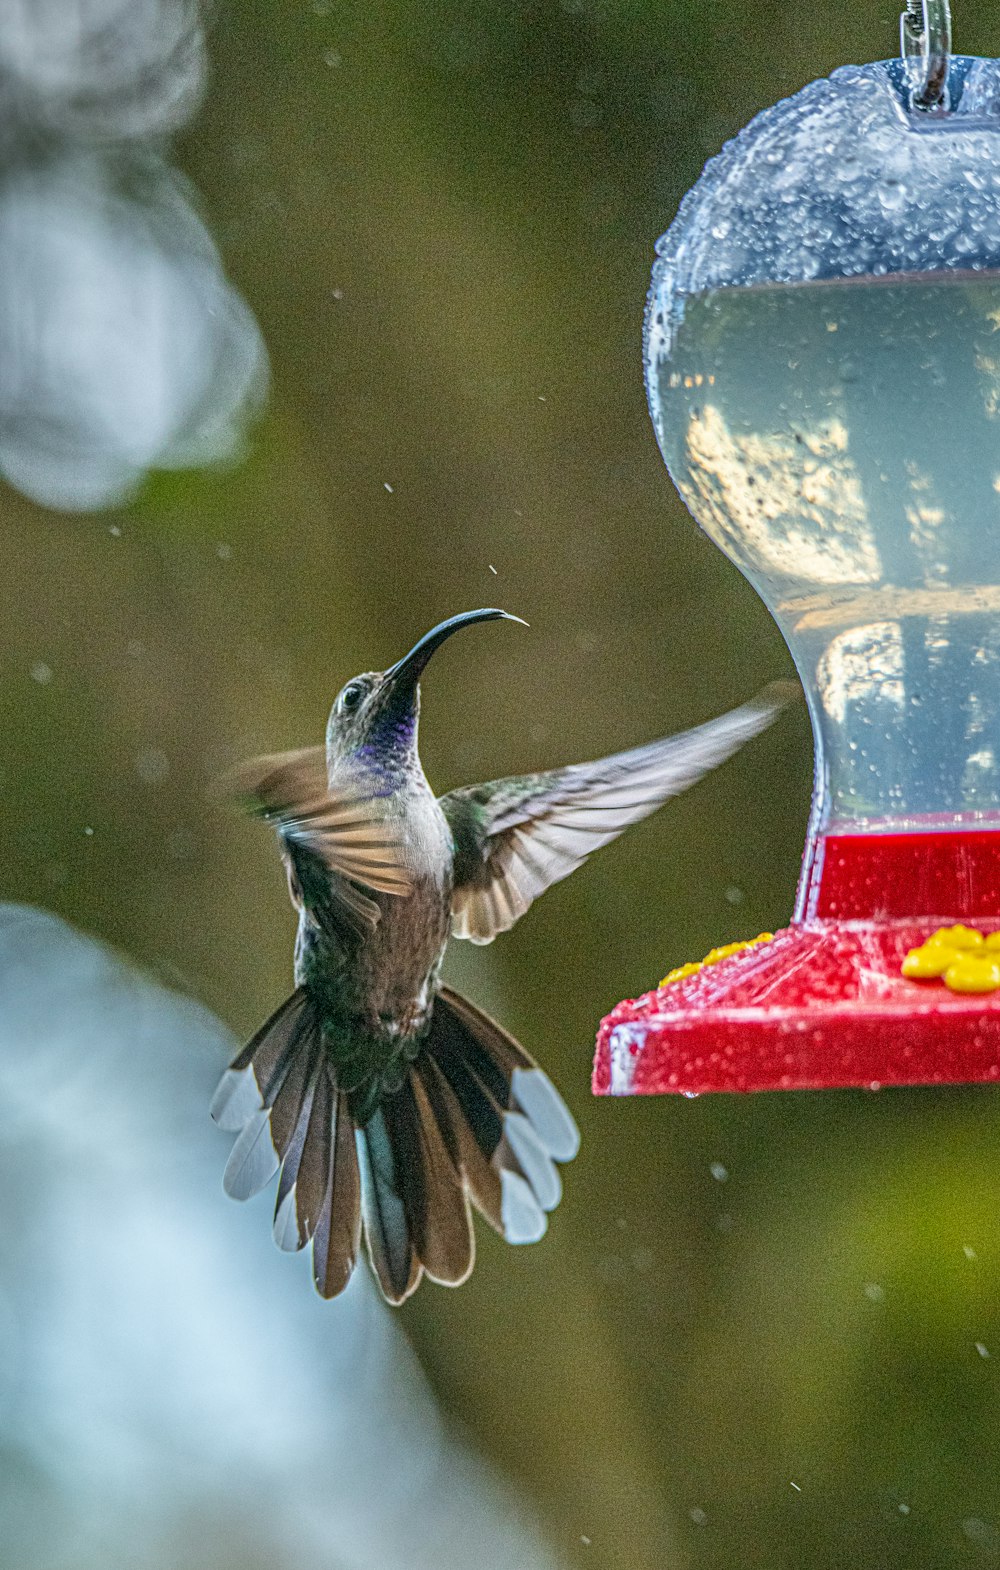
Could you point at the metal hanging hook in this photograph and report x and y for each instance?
(925, 44)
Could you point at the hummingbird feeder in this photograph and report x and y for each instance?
(822, 354)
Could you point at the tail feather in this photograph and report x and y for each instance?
(280, 1093)
(475, 1119)
(529, 1086)
(534, 1161)
(519, 1125)
(482, 1155)
(287, 1232)
(285, 1228)
(287, 1105)
(482, 1112)
(490, 1051)
(437, 1211)
(253, 1160)
(546, 1111)
(474, 1126)
(338, 1230)
(312, 1176)
(387, 1231)
(464, 1150)
(256, 1074)
(488, 1033)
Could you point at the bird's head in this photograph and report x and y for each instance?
(374, 718)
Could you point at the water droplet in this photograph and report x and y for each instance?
(152, 766)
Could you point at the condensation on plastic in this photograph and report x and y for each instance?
(841, 179)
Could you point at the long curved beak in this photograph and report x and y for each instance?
(405, 674)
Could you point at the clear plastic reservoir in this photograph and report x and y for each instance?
(823, 370)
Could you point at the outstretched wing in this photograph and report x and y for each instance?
(514, 838)
(347, 837)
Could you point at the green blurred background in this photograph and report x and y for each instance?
(759, 1332)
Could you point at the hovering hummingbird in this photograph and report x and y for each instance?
(385, 1099)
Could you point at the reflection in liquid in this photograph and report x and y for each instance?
(788, 502)
(124, 347)
(171, 1392)
(840, 441)
(862, 665)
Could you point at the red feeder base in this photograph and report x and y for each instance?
(824, 1004)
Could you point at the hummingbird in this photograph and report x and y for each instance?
(385, 1101)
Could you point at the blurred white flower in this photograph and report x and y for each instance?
(106, 68)
(123, 348)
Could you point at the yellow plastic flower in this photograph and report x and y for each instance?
(959, 937)
(929, 961)
(960, 956)
(713, 957)
(680, 971)
(972, 973)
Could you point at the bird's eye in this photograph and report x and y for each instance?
(351, 697)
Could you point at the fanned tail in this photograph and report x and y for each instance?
(501, 1119)
(280, 1094)
(475, 1119)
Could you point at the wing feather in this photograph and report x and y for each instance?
(514, 838)
(352, 834)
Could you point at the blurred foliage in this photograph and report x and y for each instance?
(443, 217)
